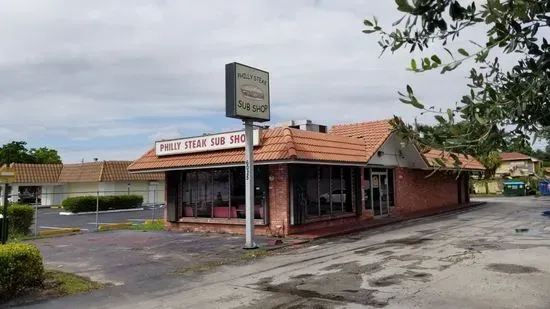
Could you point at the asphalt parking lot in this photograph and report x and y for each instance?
(49, 218)
(473, 258)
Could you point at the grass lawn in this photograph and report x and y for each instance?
(56, 284)
(149, 225)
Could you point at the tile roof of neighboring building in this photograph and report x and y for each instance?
(81, 172)
(374, 133)
(104, 171)
(511, 156)
(114, 171)
(36, 173)
(278, 144)
(468, 163)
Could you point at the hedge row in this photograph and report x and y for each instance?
(21, 268)
(89, 203)
(20, 219)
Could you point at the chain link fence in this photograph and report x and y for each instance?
(50, 215)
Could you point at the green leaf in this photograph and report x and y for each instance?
(447, 50)
(463, 52)
(409, 90)
(405, 101)
(397, 22)
(436, 59)
(450, 114)
(413, 65)
(417, 104)
(368, 23)
(404, 6)
(369, 31)
(440, 119)
(479, 119)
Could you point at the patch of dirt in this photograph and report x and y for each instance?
(512, 268)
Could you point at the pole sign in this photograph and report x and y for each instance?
(7, 175)
(246, 92)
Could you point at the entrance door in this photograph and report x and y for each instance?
(380, 193)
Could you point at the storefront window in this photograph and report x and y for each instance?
(322, 190)
(220, 193)
(325, 189)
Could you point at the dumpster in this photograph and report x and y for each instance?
(514, 188)
(544, 187)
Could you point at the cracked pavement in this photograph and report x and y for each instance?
(469, 259)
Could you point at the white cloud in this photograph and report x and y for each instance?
(86, 70)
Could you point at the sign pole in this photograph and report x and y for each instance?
(249, 188)
(5, 215)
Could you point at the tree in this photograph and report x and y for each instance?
(491, 162)
(519, 145)
(17, 152)
(513, 102)
(45, 155)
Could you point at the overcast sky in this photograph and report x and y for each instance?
(107, 78)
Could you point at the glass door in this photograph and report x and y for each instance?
(384, 200)
(379, 187)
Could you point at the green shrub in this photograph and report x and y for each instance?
(20, 218)
(21, 267)
(89, 203)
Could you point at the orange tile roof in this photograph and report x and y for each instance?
(81, 172)
(374, 133)
(468, 163)
(278, 144)
(36, 173)
(511, 156)
(104, 171)
(114, 171)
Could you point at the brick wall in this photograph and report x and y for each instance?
(416, 193)
(343, 222)
(279, 202)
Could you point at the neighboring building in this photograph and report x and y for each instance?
(50, 184)
(517, 164)
(304, 180)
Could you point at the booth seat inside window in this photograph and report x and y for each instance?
(220, 193)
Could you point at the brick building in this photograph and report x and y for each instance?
(305, 179)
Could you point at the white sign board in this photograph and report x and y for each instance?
(205, 143)
(247, 92)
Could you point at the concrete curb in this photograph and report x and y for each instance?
(59, 231)
(113, 226)
(66, 213)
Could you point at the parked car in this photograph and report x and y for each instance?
(337, 196)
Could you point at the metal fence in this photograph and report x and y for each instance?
(49, 214)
